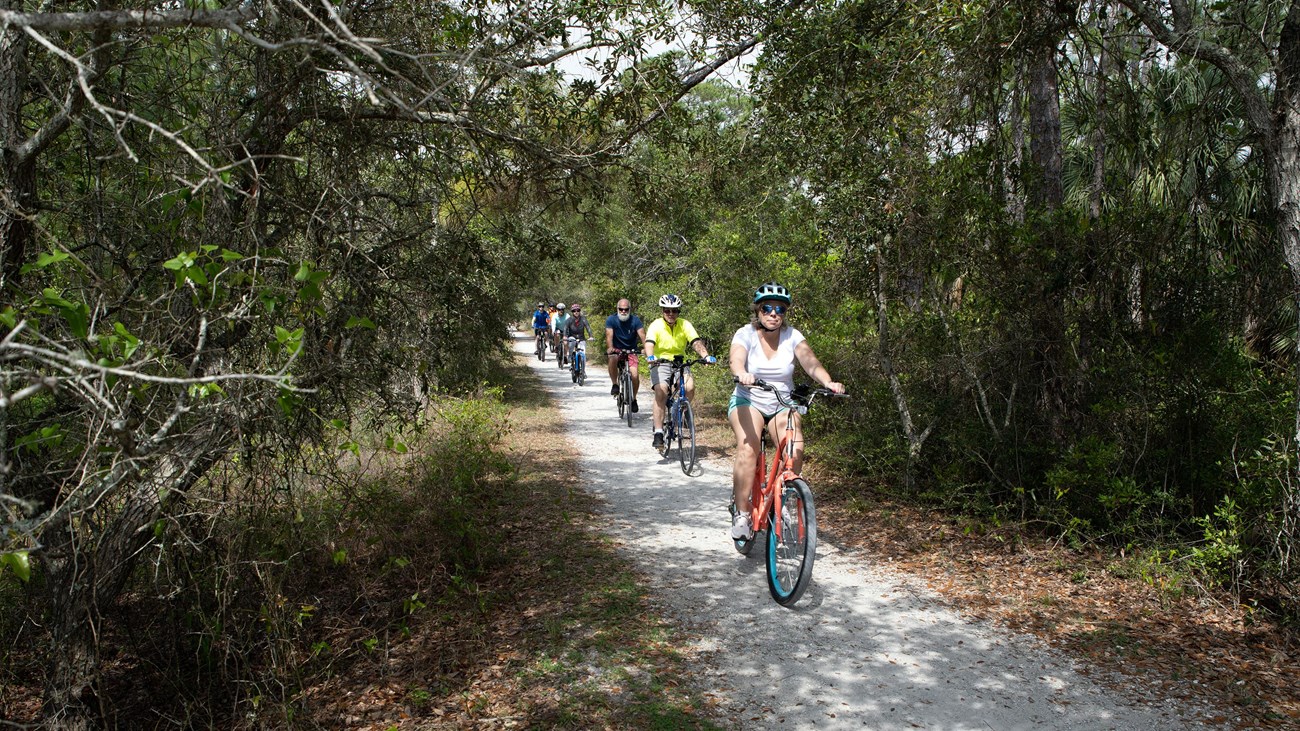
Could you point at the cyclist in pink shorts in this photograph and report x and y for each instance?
(624, 331)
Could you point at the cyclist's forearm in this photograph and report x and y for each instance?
(813, 366)
(739, 361)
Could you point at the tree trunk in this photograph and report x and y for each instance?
(915, 440)
(17, 176)
(1049, 268)
(1046, 190)
(80, 579)
(1284, 170)
(1098, 188)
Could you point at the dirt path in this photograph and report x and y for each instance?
(864, 648)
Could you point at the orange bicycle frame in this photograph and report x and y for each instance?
(766, 489)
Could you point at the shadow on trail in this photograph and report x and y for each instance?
(858, 650)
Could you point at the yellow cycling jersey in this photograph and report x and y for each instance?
(670, 341)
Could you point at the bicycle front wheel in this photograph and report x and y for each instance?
(625, 387)
(582, 369)
(686, 438)
(792, 544)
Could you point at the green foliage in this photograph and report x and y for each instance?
(19, 562)
(1221, 554)
(424, 527)
(454, 477)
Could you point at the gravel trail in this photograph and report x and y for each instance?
(865, 648)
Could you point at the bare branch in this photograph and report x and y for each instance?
(44, 384)
(75, 364)
(551, 58)
(1182, 37)
(121, 19)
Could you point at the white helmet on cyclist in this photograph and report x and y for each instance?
(772, 291)
(541, 305)
(561, 307)
(670, 302)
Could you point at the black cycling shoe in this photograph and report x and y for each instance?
(634, 406)
(658, 442)
(613, 390)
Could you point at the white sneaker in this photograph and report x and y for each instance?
(741, 530)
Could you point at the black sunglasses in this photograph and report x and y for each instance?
(672, 311)
(769, 309)
(624, 309)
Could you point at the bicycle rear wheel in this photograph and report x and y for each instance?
(686, 438)
(792, 544)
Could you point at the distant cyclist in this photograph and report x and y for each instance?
(766, 349)
(558, 324)
(666, 338)
(624, 331)
(577, 325)
(541, 320)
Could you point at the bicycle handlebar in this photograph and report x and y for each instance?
(800, 396)
(680, 364)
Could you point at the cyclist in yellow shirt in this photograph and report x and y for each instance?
(665, 339)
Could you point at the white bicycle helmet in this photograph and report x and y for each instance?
(670, 302)
(561, 307)
(772, 291)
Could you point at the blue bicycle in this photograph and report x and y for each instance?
(578, 361)
(680, 424)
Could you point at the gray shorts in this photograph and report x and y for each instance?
(660, 371)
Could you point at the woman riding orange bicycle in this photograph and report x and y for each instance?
(782, 504)
(766, 349)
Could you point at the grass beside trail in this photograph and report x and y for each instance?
(556, 632)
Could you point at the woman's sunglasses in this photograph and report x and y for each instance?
(770, 309)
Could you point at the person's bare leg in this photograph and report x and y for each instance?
(747, 423)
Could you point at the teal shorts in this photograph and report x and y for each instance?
(738, 400)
